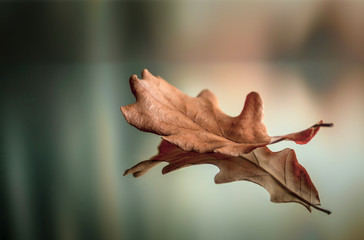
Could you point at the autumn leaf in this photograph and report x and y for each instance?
(196, 123)
(278, 172)
(195, 131)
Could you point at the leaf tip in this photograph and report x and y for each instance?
(132, 78)
(145, 73)
(124, 112)
(133, 85)
(254, 97)
(253, 94)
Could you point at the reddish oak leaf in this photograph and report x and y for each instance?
(278, 172)
(196, 123)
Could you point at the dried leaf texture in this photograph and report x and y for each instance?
(197, 123)
(278, 172)
(196, 131)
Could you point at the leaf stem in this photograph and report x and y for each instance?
(321, 209)
(323, 125)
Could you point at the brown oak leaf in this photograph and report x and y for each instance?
(195, 131)
(278, 172)
(196, 123)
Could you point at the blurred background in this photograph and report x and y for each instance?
(65, 145)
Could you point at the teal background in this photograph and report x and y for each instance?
(64, 74)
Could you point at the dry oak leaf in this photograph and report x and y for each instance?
(196, 123)
(196, 131)
(278, 172)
